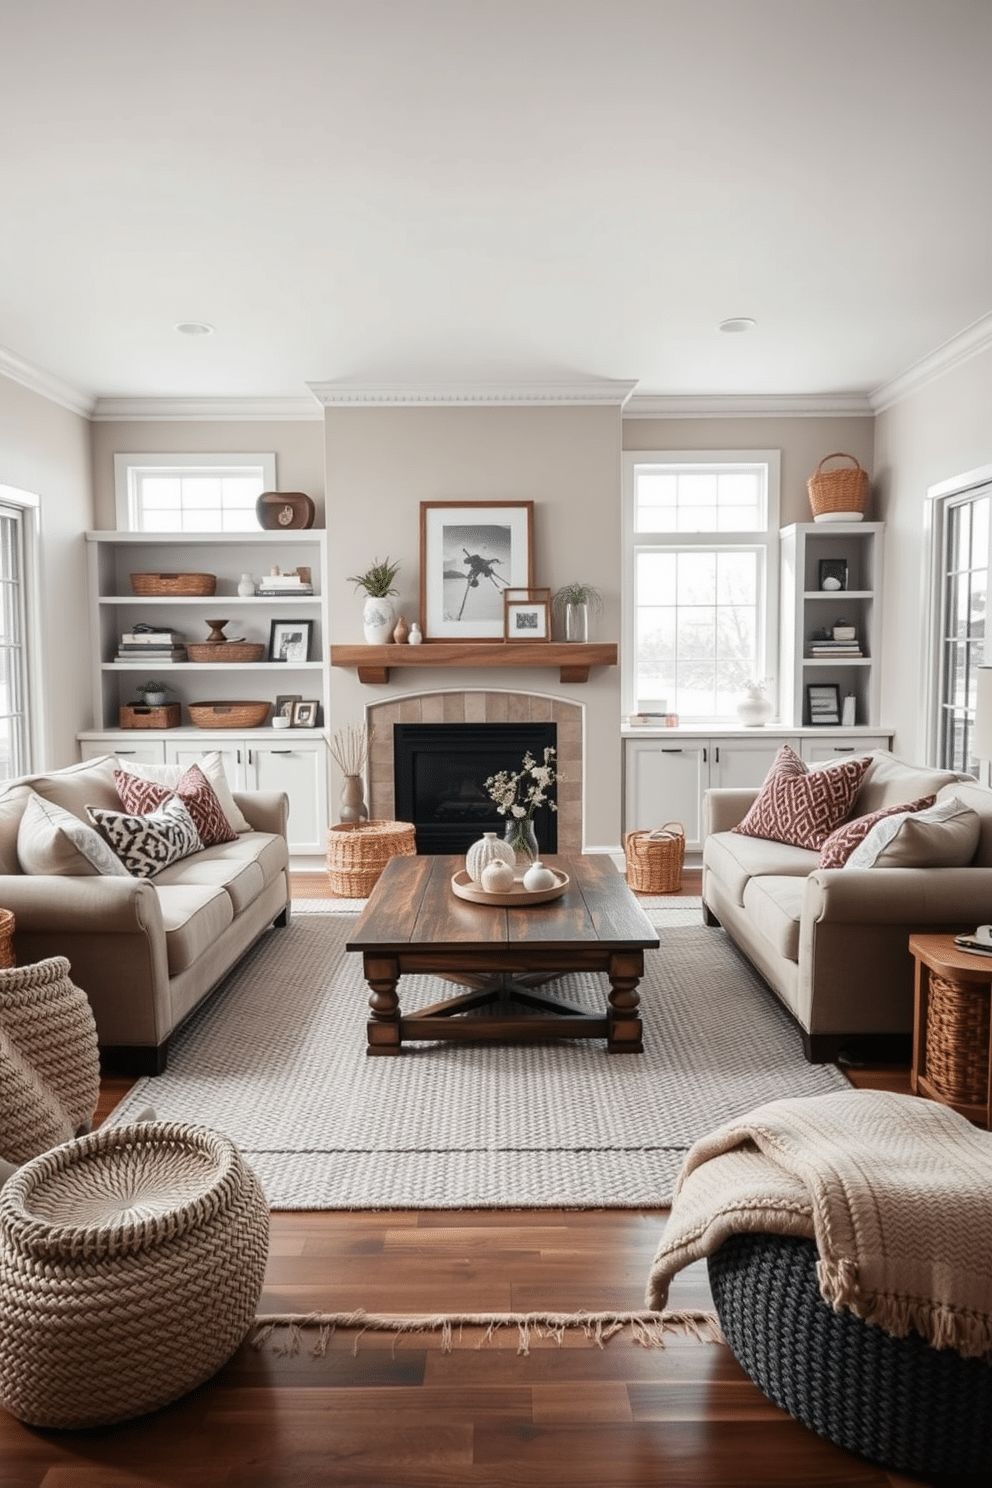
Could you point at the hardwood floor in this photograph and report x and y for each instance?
(401, 1412)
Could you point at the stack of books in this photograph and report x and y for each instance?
(153, 646)
(833, 650)
(282, 585)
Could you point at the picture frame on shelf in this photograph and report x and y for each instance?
(305, 713)
(284, 703)
(526, 614)
(470, 553)
(289, 640)
(833, 574)
(823, 703)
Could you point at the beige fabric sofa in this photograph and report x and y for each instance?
(145, 951)
(833, 943)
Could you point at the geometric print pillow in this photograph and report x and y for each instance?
(800, 806)
(147, 844)
(840, 844)
(193, 789)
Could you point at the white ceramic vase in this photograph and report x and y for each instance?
(378, 620)
(488, 849)
(755, 711)
(538, 877)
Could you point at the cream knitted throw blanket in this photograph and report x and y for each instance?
(895, 1191)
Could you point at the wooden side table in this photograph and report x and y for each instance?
(952, 1044)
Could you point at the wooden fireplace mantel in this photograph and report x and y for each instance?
(573, 659)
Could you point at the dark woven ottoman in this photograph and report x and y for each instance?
(896, 1401)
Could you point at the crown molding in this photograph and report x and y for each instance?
(975, 339)
(203, 410)
(45, 383)
(747, 405)
(611, 392)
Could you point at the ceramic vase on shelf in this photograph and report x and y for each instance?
(755, 707)
(577, 623)
(246, 585)
(416, 635)
(488, 849)
(378, 619)
(353, 807)
(400, 632)
(520, 835)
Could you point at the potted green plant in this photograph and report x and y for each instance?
(152, 694)
(378, 616)
(571, 604)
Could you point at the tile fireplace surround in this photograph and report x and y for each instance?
(483, 707)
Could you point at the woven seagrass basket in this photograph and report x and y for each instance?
(357, 852)
(957, 1048)
(168, 585)
(838, 494)
(654, 859)
(229, 715)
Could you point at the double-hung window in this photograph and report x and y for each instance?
(20, 690)
(701, 596)
(191, 493)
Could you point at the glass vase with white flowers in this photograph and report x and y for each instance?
(517, 794)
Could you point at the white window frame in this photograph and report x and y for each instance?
(26, 505)
(130, 468)
(765, 541)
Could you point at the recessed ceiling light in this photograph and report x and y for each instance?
(194, 328)
(737, 323)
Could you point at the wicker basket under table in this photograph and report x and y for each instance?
(654, 859)
(952, 1055)
(357, 852)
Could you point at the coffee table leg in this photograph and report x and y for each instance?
(625, 1033)
(382, 974)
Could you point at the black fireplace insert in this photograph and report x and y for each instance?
(439, 775)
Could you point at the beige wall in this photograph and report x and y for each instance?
(45, 449)
(941, 432)
(298, 445)
(382, 462)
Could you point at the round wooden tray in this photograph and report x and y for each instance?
(517, 898)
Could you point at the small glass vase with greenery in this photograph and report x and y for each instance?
(571, 605)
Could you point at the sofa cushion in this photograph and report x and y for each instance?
(734, 860)
(241, 878)
(840, 844)
(193, 789)
(944, 836)
(774, 908)
(195, 916)
(147, 844)
(890, 782)
(800, 806)
(212, 766)
(52, 841)
(90, 783)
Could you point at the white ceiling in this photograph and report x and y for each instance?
(452, 192)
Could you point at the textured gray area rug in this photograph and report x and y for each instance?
(277, 1060)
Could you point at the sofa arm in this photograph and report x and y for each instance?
(915, 897)
(265, 811)
(90, 904)
(724, 807)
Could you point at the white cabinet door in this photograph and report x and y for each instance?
(817, 751)
(233, 753)
(665, 782)
(300, 769)
(742, 764)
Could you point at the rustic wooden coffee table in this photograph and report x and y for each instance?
(414, 922)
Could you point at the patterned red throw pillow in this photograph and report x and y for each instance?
(840, 844)
(141, 797)
(800, 806)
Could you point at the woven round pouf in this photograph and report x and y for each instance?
(896, 1401)
(131, 1263)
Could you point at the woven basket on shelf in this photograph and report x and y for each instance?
(957, 1051)
(838, 492)
(357, 852)
(229, 715)
(168, 585)
(224, 651)
(654, 859)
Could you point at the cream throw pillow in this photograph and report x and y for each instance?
(213, 768)
(944, 836)
(51, 841)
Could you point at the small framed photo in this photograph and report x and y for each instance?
(833, 574)
(526, 614)
(470, 552)
(823, 703)
(289, 640)
(305, 713)
(283, 707)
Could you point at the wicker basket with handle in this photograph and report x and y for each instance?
(357, 852)
(654, 859)
(836, 493)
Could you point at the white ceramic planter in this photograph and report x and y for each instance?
(378, 620)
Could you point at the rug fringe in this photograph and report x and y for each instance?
(285, 1330)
